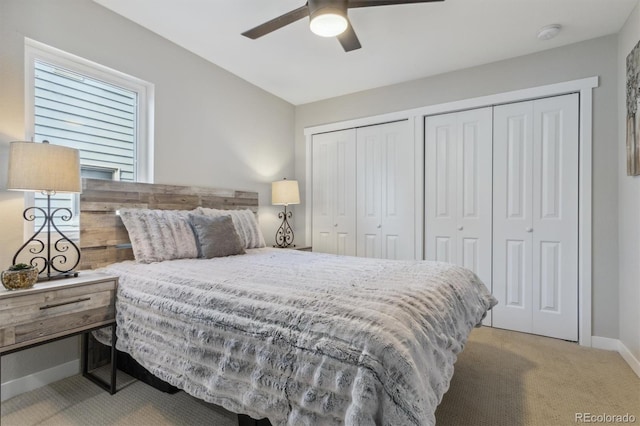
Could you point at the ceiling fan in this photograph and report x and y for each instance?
(327, 18)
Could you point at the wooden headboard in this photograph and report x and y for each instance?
(103, 237)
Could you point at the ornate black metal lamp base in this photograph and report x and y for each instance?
(284, 235)
(65, 249)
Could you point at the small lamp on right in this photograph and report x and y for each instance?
(283, 193)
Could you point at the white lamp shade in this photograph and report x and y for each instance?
(43, 167)
(285, 192)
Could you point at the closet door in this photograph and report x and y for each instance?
(473, 189)
(334, 182)
(536, 217)
(385, 185)
(512, 216)
(555, 217)
(458, 190)
(441, 221)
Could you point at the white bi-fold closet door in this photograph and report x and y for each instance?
(334, 192)
(458, 190)
(385, 191)
(535, 216)
(501, 194)
(363, 183)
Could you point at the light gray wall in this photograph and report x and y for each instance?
(629, 204)
(211, 127)
(596, 57)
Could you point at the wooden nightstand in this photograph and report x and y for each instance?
(56, 309)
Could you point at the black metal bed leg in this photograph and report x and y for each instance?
(110, 387)
(114, 362)
(85, 353)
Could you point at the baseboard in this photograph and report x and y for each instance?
(605, 343)
(631, 360)
(609, 344)
(41, 378)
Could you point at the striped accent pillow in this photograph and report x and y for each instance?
(158, 235)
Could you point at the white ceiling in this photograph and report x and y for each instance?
(399, 43)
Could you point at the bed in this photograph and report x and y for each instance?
(295, 337)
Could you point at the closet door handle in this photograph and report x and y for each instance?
(335, 226)
(529, 229)
(460, 228)
(379, 226)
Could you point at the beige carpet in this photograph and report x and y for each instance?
(77, 401)
(508, 378)
(501, 378)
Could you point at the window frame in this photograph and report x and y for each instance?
(143, 149)
(34, 50)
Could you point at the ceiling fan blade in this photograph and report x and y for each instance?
(348, 39)
(277, 23)
(369, 3)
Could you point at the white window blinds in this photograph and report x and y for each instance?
(93, 116)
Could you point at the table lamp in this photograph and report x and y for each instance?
(49, 169)
(283, 193)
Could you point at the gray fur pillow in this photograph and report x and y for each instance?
(215, 236)
(245, 223)
(158, 235)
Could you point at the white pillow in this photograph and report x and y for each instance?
(245, 222)
(158, 235)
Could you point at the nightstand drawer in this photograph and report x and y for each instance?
(55, 309)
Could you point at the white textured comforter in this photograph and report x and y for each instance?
(302, 338)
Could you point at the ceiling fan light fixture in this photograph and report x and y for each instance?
(328, 23)
(327, 18)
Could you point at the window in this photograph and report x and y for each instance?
(99, 111)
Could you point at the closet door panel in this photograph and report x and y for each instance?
(515, 271)
(512, 210)
(324, 184)
(345, 202)
(444, 250)
(398, 209)
(345, 243)
(440, 185)
(393, 247)
(323, 242)
(369, 192)
(458, 190)
(385, 191)
(370, 246)
(474, 191)
(536, 216)
(334, 180)
(555, 217)
(470, 255)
